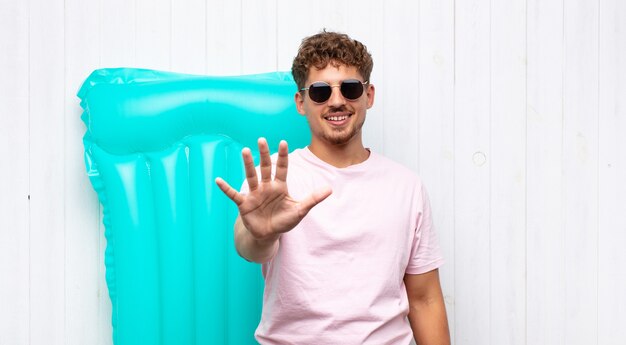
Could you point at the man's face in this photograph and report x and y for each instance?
(338, 121)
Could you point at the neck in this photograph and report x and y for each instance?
(340, 155)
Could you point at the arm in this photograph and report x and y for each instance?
(251, 248)
(427, 311)
(267, 210)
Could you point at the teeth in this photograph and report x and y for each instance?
(337, 118)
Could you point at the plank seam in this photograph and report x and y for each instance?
(454, 161)
(28, 338)
(598, 180)
(526, 172)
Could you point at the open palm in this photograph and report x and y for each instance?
(267, 210)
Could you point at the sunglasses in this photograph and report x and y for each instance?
(351, 89)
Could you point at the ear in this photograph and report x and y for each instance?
(299, 99)
(370, 92)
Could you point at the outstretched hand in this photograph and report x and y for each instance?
(267, 210)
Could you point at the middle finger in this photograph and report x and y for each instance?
(266, 162)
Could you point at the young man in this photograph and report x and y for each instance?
(346, 239)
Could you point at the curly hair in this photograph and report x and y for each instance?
(330, 47)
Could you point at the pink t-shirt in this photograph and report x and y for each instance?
(337, 277)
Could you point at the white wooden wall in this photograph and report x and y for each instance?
(514, 113)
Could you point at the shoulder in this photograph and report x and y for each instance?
(295, 155)
(396, 171)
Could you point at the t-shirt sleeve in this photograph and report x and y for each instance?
(425, 251)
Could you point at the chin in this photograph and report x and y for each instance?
(340, 139)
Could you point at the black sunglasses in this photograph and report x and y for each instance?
(320, 91)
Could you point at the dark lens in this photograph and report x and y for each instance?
(351, 89)
(319, 92)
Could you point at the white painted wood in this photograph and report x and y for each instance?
(435, 131)
(332, 15)
(507, 312)
(313, 17)
(580, 170)
(291, 29)
(223, 50)
(545, 254)
(82, 55)
(14, 176)
(153, 35)
(189, 32)
(297, 20)
(397, 61)
(47, 173)
(258, 36)
(472, 159)
(612, 169)
(118, 33)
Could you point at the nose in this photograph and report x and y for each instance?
(336, 98)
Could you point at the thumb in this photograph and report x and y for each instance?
(313, 199)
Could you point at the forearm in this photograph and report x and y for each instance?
(429, 321)
(252, 249)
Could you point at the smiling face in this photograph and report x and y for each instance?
(338, 121)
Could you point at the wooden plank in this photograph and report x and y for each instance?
(223, 25)
(435, 131)
(47, 184)
(82, 237)
(472, 173)
(290, 30)
(118, 34)
(14, 176)
(612, 169)
(580, 170)
(401, 107)
(545, 227)
(153, 38)
(508, 173)
(189, 42)
(325, 14)
(332, 15)
(258, 37)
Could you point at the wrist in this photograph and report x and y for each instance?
(264, 248)
(266, 240)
